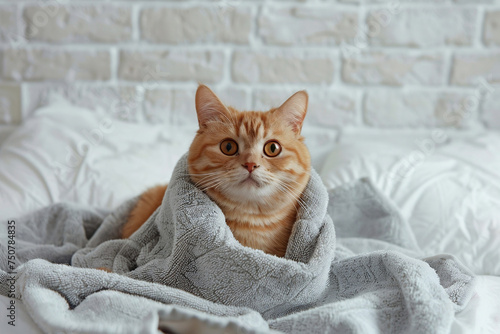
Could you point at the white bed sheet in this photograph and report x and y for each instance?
(450, 195)
(107, 173)
(5, 131)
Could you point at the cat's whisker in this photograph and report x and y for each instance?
(207, 174)
(279, 182)
(214, 185)
(205, 181)
(304, 194)
(210, 176)
(285, 192)
(198, 174)
(294, 195)
(208, 186)
(219, 184)
(209, 183)
(213, 181)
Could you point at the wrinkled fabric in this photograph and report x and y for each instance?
(184, 268)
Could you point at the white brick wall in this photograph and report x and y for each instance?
(385, 64)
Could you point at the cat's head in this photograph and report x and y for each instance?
(250, 157)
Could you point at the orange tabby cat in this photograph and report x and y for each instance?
(254, 165)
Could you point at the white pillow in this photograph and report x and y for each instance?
(67, 153)
(449, 190)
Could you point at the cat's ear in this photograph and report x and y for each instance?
(209, 108)
(293, 111)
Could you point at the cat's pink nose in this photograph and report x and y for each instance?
(250, 166)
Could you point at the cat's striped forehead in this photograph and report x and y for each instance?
(254, 125)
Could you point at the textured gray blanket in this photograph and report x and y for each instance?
(183, 271)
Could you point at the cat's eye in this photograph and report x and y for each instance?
(229, 147)
(272, 148)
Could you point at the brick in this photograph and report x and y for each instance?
(55, 64)
(213, 24)
(467, 69)
(491, 108)
(329, 108)
(171, 65)
(492, 28)
(120, 102)
(457, 110)
(394, 108)
(157, 105)
(307, 25)
(422, 27)
(10, 104)
(283, 66)
(177, 106)
(8, 23)
(60, 24)
(395, 69)
(234, 97)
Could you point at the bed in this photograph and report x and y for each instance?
(446, 184)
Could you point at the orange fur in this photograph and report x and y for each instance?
(149, 201)
(260, 206)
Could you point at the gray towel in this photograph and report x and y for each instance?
(183, 269)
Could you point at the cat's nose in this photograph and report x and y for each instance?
(250, 166)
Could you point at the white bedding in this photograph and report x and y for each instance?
(450, 195)
(66, 153)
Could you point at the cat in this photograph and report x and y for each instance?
(253, 164)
